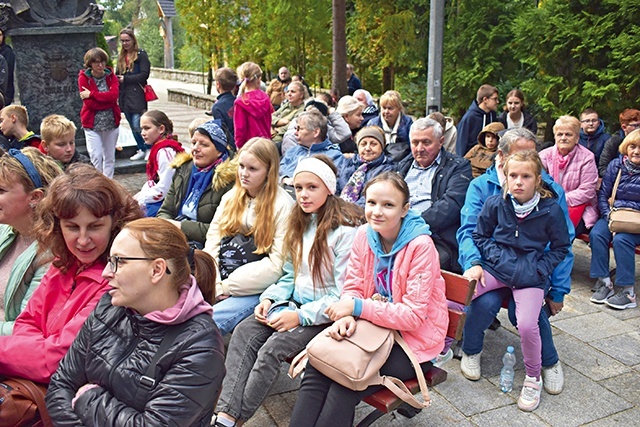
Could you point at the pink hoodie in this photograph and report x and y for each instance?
(190, 304)
(251, 116)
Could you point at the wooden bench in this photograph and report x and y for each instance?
(459, 290)
(585, 238)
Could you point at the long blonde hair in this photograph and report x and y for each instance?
(264, 227)
(126, 59)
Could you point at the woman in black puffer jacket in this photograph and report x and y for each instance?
(104, 378)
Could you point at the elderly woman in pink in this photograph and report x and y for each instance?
(574, 168)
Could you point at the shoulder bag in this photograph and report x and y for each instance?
(355, 361)
(149, 93)
(622, 220)
(22, 403)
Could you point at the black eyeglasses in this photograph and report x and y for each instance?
(114, 260)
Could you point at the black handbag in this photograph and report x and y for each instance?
(235, 251)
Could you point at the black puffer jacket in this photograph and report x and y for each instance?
(114, 349)
(132, 98)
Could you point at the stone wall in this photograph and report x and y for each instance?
(179, 75)
(191, 98)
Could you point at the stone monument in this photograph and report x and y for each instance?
(50, 39)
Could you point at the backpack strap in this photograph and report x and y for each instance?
(148, 380)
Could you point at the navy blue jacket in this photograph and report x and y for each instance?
(223, 109)
(513, 250)
(470, 127)
(628, 193)
(595, 142)
(610, 151)
(353, 84)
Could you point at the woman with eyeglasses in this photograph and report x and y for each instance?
(100, 114)
(133, 71)
(77, 221)
(150, 353)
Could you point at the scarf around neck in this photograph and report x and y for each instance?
(390, 134)
(522, 210)
(152, 164)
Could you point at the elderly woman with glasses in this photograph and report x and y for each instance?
(150, 353)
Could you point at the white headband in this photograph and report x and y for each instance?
(319, 169)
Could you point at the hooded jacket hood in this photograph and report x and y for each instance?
(190, 304)
(413, 225)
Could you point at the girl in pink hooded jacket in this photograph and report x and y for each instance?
(394, 281)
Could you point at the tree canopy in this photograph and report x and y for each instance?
(566, 55)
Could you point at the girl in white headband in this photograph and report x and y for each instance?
(318, 243)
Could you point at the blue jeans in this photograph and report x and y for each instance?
(233, 310)
(624, 246)
(485, 308)
(134, 123)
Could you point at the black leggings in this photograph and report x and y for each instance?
(323, 402)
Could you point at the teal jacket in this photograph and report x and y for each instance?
(24, 278)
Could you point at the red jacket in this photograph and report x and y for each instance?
(98, 101)
(44, 331)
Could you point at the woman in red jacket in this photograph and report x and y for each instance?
(100, 114)
(77, 221)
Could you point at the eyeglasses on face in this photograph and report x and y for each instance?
(114, 260)
(634, 125)
(495, 98)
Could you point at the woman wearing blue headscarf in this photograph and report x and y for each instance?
(201, 179)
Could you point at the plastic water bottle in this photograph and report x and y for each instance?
(507, 373)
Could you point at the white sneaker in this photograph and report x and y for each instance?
(470, 366)
(146, 155)
(553, 378)
(138, 156)
(530, 394)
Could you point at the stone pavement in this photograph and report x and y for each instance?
(599, 348)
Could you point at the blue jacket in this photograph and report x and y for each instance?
(353, 84)
(223, 110)
(513, 250)
(628, 193)
(470, 126)
(487, 185)
(448, 189)
(595, 142)
(293, 155)
(381, 164)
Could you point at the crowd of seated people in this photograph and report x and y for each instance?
(285, 221)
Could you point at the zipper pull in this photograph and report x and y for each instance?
(516, 231)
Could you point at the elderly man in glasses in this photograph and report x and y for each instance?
(592, 132)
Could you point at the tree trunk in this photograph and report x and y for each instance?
(388, 77)
(339, 71)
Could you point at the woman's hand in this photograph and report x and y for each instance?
(285, 320)
(261, 310)
(344, 327)
(85, 93)
(120, 78)
(81, 391)
(340, 309)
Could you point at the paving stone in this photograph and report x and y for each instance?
(626, 418)
(591, 327)
(582, 401)
(621, 347)
(588, 360)
(508, 416)
(625, 385)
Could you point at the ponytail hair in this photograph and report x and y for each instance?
(160, 239)
(249, 73)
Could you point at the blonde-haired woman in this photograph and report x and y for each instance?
(252, 108)
(133, 71)
(255, 209)
(280, 120)
(395, 124)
